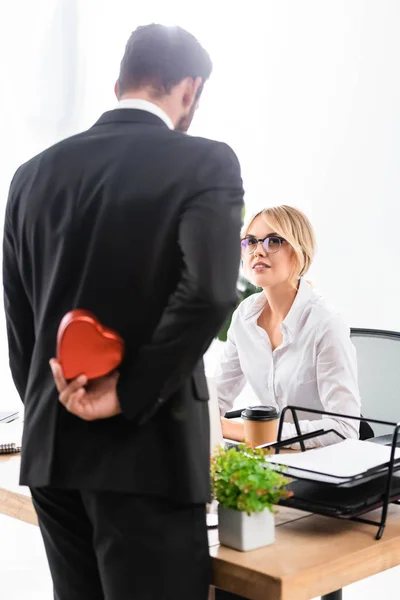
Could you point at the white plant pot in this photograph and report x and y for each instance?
(242, 532)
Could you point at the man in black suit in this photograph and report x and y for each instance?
(138, 223)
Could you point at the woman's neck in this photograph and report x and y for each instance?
(280, 299)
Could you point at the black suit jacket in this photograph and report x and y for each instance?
(139, 225)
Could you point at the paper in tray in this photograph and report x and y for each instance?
(336, 463)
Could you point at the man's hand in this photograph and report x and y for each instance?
(98, 400)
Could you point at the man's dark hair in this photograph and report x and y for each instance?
(160, 57)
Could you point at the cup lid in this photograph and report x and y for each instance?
(260, 413)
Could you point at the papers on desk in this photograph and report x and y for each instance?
(337, 463)
(11, 437)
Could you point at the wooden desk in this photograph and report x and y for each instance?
(15, 500)
(312, 555)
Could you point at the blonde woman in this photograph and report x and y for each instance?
(285, 341)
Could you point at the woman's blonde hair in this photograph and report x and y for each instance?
(293, 225)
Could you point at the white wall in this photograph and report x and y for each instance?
(307, 93)
(318, 126)
(335, 148)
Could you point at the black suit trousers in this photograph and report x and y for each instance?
(120, 546)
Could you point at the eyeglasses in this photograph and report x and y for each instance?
(271, 244)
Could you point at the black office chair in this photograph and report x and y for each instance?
(378, 357)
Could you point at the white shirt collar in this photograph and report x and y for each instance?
(291, 322)
(140, 104)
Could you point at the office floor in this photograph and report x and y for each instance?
(24, 574)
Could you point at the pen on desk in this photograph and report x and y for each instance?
(293, 440)
(233, 414)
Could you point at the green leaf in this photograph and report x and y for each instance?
(243, 480)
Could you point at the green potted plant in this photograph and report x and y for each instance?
(247, 490)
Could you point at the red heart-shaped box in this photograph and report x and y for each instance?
(85, 347)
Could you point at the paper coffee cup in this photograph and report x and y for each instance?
(260, 424)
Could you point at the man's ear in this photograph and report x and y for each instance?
(191, 87)
(116, 89)
(198, 86)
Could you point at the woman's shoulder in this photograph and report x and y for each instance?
(247, 309)
(250, 306)
(325, 315)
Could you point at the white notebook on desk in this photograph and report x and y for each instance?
(338, 462)
(11, 436)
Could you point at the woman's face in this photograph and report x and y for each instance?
(269, 263)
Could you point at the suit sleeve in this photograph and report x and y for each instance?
(18, 310)
(209, 233)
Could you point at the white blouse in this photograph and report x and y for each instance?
(314, 367)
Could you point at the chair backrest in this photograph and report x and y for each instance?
(378, 357)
